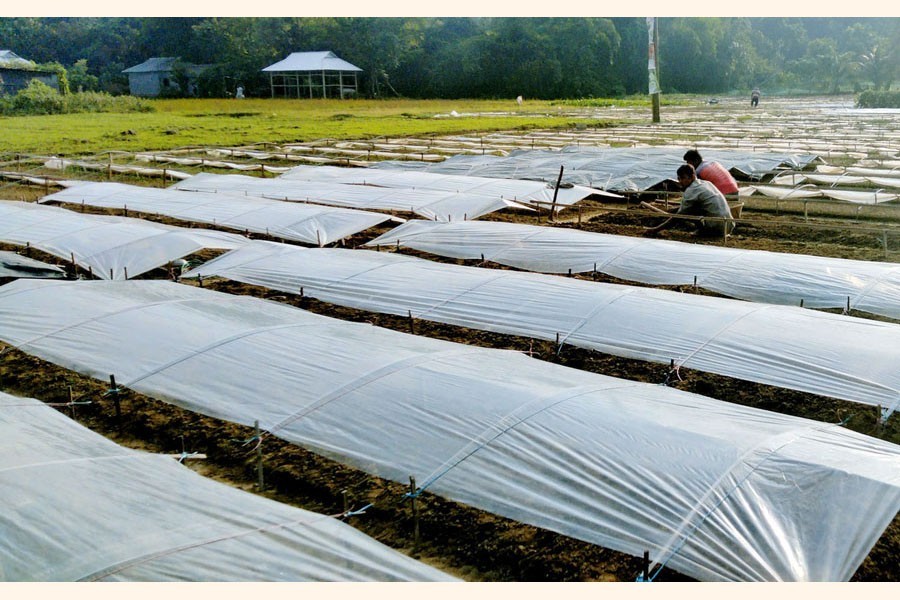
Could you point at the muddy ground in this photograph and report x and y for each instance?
(468, 543)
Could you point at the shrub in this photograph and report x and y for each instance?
(37, 98)
(40, 99)
(102, 102)
(874, 99)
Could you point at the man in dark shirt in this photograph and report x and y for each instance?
(702, 199)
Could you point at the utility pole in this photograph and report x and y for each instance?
(653, 65)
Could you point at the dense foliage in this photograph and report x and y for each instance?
(876, 99)
(428, 57)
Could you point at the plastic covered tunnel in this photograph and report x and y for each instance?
(714, 490)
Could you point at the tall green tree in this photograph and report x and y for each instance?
(481, 57)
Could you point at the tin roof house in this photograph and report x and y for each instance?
(156, 77)
(313, 75)
(16, 73)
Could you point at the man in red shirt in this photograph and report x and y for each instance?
(714, 173)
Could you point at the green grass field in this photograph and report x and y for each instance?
(202, 122)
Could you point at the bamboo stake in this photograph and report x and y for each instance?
(71, 403)
(114, 392)
(555, 192)
(415, 511)
(260, 484)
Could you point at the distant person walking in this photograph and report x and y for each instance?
(713, 172)
(754, 97)
(702, 199)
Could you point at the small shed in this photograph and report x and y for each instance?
(156, 76)
(313, 75)
(16, 73)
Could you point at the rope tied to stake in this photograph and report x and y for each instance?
(673, 370)
(185, 455)
(359, 511)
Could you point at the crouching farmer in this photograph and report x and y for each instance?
(702, 199)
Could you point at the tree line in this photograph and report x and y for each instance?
(479, 57)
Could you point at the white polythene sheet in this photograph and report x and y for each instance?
(109, 246)
(860, 196)
(801, 191)
(61, 164)
(775, 345)
(878, 173)
(14, 265)
(885, 182)
(845, 179)
(714, 490)
(80, 507)
(615, 169)
(310, 224)
(774, 277)
(842, 179)
(519, 190)
(435, 205)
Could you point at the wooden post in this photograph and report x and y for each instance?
(126, 272)
(415, 512)
(555, 192)
(346, 502)
(260, 484)
(654, 75)
(646, 567)
(71, 403)
(412, 323)
(114, 392)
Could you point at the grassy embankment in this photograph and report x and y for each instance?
(202, 122)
